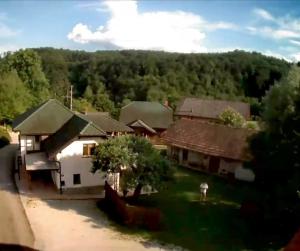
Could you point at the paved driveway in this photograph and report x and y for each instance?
(14, 226)
(78, 225)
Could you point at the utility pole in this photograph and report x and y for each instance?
(71, 97)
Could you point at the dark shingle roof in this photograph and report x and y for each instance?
(208, 138)
(46, 118)
(142, 124)
(74, 128)
(105, 122)
(153, 114)
(209, 108)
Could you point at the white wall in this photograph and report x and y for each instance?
(28, 143)
(73, 162)
(198, 158)
(244, 174)
(23, 145)
(229, 166)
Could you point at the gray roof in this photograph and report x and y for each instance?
(209, 108)
(153, 114)
(105, 122)
(45, 119)
(71, 130)
(142, 124)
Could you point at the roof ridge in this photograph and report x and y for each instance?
(41, 106)
(215, 100)
(216, 124)
(91, 123)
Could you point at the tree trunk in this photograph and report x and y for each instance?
(137, 191)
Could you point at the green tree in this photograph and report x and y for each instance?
(103, 103)
(275, 150)
(14, 96)
(27, 64)
(139, 163)
(82, 105)
(232, 118)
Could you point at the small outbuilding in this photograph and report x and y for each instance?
(209, 147)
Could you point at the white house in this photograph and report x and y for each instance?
(57, 142)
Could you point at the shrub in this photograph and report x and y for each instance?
(253, 125)
(232, 118)
(4, 137)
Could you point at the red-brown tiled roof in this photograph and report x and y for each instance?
(208, 138)
(210, 108)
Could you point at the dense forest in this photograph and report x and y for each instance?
(107, 80)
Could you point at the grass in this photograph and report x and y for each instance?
(211, 225)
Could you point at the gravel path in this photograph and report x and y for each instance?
(15, 228)
(77, 225)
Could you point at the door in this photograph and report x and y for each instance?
(214, 164)
(185, 154)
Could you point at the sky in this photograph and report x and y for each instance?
(270, 27)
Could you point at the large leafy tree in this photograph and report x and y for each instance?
(139, 163)
(275, 150)
(27, 64)
(14, 96)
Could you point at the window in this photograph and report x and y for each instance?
(37, 138)
(76, 179)
(28, 142)
(88, 149)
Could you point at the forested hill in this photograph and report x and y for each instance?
(106, 80)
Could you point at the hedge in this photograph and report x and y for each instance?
(4, 137)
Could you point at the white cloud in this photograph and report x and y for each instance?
(295, 42)
(128, 28)
(263, 14)
(8, 48)
(5, 31)
(278, 28)
(277, 55)
(296, 57)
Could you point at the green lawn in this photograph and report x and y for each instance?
(211, 225)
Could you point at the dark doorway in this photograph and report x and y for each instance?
(185, 154)
(41, 175)
(214, 164)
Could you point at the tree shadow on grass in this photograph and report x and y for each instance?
(199, 225)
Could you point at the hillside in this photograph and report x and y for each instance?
(106, 80)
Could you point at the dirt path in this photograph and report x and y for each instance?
(14, 226)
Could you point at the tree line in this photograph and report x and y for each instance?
(107, 80)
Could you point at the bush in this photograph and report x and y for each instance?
(253, 125)
(232, 118)
(4, 137)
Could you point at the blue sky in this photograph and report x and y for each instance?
(269, 27)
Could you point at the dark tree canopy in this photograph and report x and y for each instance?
(106, 80)
(275, 150)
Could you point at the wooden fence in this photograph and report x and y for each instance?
(149, 218)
